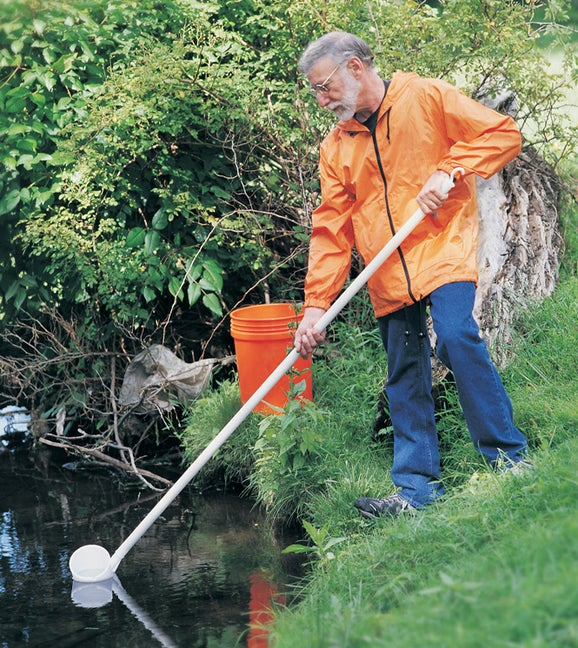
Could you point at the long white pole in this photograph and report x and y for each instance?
(268, 384)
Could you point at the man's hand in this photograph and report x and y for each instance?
(432, 196)
(306, 336)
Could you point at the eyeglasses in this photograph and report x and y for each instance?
(322, 87)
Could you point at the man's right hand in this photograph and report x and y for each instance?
(307, 337)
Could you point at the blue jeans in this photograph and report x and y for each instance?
(484, 401)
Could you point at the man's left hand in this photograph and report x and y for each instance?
(432, 195)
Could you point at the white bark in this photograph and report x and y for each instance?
(519, 246)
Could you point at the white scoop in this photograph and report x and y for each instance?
(91, 564)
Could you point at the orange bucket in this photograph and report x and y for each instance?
(263, 336)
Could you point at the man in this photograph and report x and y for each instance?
(392, 150)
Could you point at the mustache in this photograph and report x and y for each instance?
(339, 110)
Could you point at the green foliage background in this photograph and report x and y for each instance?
(159, 158)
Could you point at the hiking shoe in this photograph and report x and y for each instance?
(373, 508)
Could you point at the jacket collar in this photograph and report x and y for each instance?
(398, 82)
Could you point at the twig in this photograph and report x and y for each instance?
(115, 410)
(101, 456)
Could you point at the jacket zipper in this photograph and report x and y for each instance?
(389, 217)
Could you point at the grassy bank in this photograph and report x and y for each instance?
(493, 563)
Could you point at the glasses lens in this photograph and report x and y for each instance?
(322, 87)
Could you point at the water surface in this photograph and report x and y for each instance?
(195, 579)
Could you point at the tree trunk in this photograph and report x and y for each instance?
(519, 246)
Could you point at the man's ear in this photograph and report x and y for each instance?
(355, 67)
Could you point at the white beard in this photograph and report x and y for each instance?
(345, 108)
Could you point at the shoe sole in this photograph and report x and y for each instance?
(369, 516)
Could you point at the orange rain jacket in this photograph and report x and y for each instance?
(369, 185)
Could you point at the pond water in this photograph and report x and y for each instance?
(197, 578)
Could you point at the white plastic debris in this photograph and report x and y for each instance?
(13, 420)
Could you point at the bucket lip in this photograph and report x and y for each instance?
(241, 312)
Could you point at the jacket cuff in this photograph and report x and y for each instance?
(316, 303)
(447, 166)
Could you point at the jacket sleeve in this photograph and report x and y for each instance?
(331, 240)
(484, 140)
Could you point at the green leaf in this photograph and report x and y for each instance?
(175, 287)
(333, 541)
(193, 293)
(152, 241)
(61, 158)
(17, 129)
(43, 197)
(12, 290)
(9, 201)
(297, 549)
(19, 298)
(64, 63)
(39, 99)
(160, 220)
(15, 104)
(10, 163)
(135, 237)
(38, 26)
(220, 193)
(27, 144)
(193, 271)
(17, 46)
(148, 293)
(207, 284)
(211, 301)
(213, 273)
(317, 535)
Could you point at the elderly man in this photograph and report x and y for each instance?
(392, 150)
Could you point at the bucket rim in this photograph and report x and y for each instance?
(292, 308)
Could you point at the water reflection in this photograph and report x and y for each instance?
(196, 579)
(264, 596)
(96, 595)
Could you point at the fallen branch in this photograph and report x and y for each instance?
(141, 473)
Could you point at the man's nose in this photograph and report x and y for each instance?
(323, 99)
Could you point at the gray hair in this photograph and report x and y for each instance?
(340, 46)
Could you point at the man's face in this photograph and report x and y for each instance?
(335, 88)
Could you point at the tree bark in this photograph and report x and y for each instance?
(519, 246)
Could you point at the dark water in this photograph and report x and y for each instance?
(195, 579)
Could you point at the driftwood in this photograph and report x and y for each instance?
(519, 238)
(153, 381)
(146, 476)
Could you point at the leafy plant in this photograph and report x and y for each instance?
(169, 140)
(159, 158)
(289, 447)
(205, 418)
(322, 542)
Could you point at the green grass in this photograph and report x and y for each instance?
(496, 561)
(493, 563)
